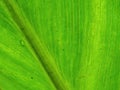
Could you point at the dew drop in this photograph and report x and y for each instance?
(22, 42)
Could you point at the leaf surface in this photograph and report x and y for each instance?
(83, 37)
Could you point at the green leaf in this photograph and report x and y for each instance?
(59, 44)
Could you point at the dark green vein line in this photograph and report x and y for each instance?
(40, 50)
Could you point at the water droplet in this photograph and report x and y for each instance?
(22, 42)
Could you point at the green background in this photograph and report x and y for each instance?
(82, 35)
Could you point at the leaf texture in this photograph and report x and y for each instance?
(82, 35)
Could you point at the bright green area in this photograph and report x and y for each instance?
(82, 35)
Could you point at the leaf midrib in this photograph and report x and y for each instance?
(39, 49)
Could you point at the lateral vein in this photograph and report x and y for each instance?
(39, 49)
